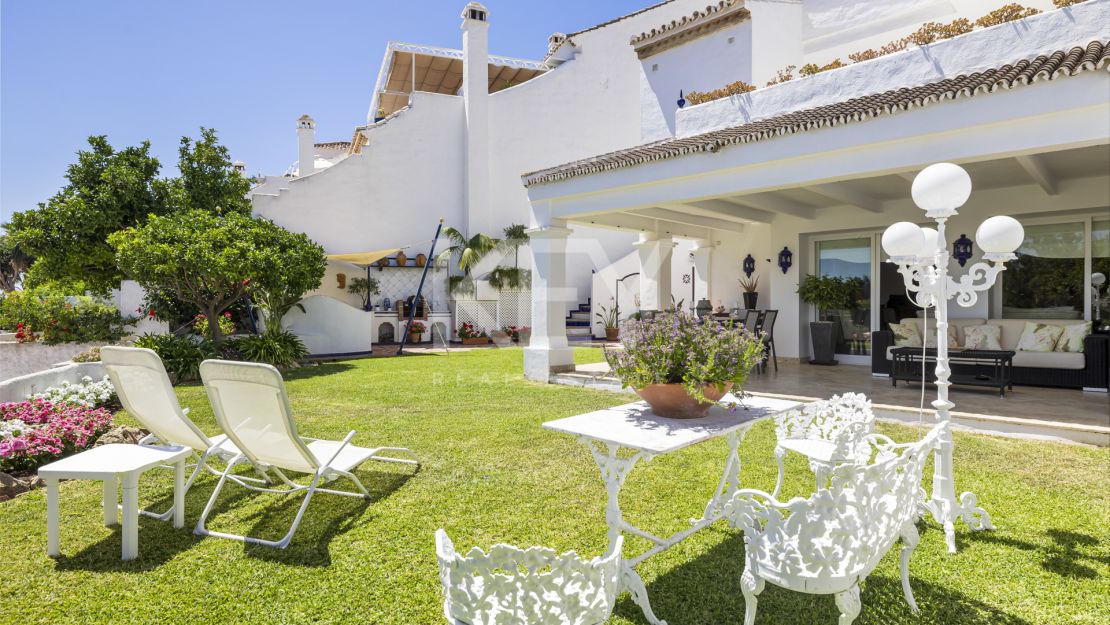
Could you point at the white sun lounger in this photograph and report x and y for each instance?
(144, 389)
(251, 406)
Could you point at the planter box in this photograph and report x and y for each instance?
(480, 340)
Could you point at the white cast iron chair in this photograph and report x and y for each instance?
(827, 433)
(144, 389)
(251, 406)
(535, 586)
(831, 541)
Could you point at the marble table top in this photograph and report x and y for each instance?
(635, 426)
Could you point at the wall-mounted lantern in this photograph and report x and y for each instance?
(749, 266)
(786, 258)
(961, 249)
(681, 99)
(341, 278)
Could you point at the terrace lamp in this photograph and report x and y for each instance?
(921, 255)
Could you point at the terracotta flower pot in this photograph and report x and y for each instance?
(415, 337)
(612, 334)
(672, 401)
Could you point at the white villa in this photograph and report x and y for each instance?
(594, 147)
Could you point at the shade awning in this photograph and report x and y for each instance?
(364, 258)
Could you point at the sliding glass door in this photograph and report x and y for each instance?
(1061, 271)
(1046, 281)
(850, 260)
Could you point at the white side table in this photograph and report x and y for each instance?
(111, 464)
(636, 428)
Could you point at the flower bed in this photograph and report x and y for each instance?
(86, 393)
(37, 431)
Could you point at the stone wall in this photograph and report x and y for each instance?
(17, 359)
(19, 388)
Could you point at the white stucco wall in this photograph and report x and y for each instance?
(975, 51)
(328, 326)
(129, 300)
(390, 195)
(836, 28)
(703, 64)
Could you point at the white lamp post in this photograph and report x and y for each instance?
(922, 258)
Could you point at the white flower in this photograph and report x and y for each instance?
(87, 393)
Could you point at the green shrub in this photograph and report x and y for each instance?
(227, 326)
(826, 292)
(281, 348)
(63, 319)
(181, 355)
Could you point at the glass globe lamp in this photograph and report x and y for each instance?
(903, 241)
(999, 237)
(940, 189)
(927, 254)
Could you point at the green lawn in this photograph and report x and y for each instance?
(491, 474)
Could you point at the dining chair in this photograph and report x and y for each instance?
(768, 328)
(751, 321)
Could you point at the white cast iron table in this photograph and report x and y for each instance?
(112, 464)
(635, 428)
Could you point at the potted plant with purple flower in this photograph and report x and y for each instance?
(682, 365)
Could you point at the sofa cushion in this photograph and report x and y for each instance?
(1073, 337)
(906, 334)
(953, 337)
(954, 325)
(983, 337)
(1039, 337)
(1050, 360)
(1012, 328)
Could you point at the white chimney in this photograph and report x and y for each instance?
(475, 27)
(306, 145)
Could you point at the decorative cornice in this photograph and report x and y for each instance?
(1059, 64)
(698, 24)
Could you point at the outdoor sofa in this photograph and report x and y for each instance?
(1089, 369)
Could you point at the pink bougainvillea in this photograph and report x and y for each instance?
(35, 432)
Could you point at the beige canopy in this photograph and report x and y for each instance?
(364, 258)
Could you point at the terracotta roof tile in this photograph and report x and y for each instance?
(618, 19)
(685, 20)
(334, 145)
(1096, 55)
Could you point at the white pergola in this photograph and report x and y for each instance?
(1033, 147)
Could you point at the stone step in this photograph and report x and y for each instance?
(578, 323)
(580, 315)
(579, 331)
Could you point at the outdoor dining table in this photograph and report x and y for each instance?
(635, 428)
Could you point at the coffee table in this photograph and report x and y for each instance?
(644, 435)
(113, 464)
(971, 367)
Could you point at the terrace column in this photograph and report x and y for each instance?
(655, 271)
(548, 351)
(703, 269)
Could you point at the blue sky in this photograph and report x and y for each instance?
(137, 70)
